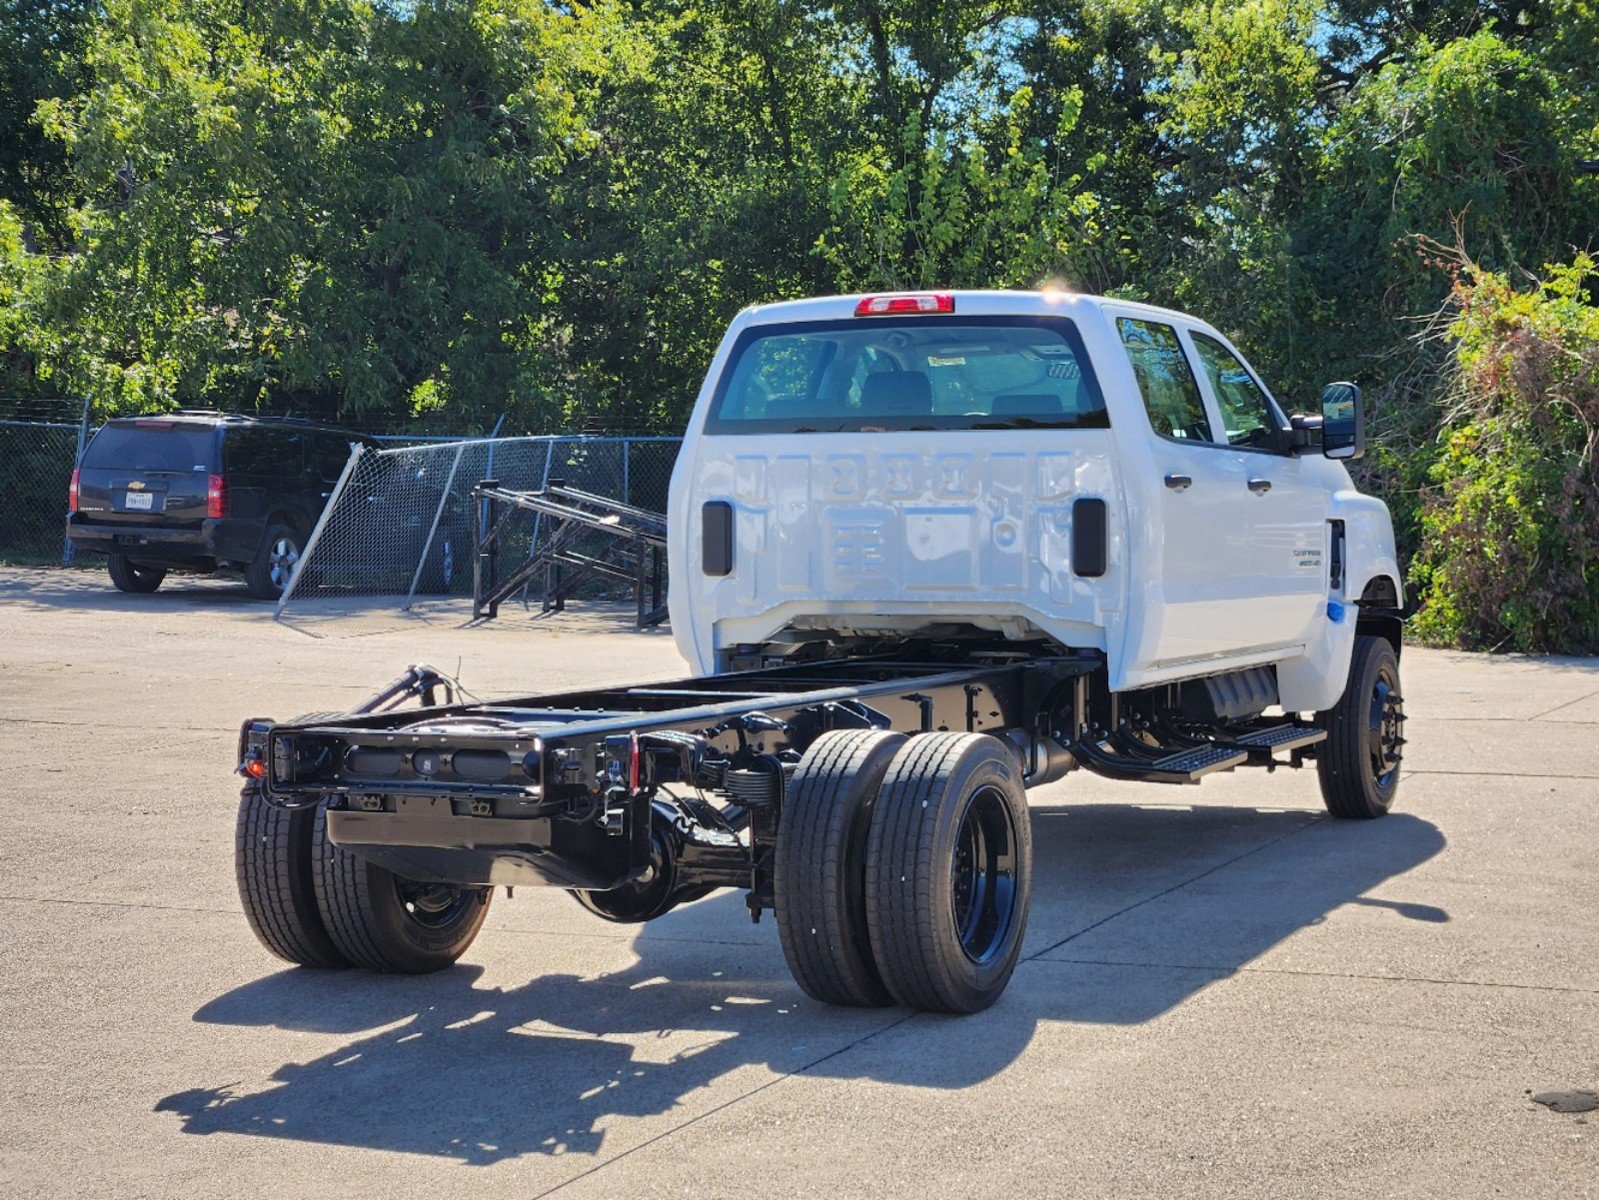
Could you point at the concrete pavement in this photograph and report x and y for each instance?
(1226, 993)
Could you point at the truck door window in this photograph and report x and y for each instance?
(1171, 393)
(920, 373)
(1246, 413)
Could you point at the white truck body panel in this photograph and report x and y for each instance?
(872, 531)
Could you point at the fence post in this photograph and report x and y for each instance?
(77, 461)
(627, 457)
(438, 513)
(345, 475)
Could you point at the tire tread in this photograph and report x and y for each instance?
(827, 947)
(272, 865)
(1342, 767)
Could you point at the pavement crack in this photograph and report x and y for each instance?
(726, 1104)
(1558, 707)
(1246, 969)
(1177, 887)
(191, 908)
(1494, 774)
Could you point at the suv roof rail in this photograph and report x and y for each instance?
(218, 415)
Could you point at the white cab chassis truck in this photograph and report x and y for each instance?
(927, 550)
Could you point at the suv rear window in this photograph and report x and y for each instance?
(918, 373)
(153, 446)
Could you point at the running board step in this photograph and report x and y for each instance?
(1185, 766)
(1263, 743)
(1124, 759)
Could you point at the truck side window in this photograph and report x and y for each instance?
(1171, 393)
(1245, 411)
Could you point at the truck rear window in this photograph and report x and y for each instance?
(916, 373)
(153, 447)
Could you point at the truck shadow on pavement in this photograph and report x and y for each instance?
(1136, 909)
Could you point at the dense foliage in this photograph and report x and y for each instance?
(404, 211)
(1510, 529)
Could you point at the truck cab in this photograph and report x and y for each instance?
(1043, 466)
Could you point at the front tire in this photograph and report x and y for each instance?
(129, 577)
(272, 863)
(949, 872)
(269, 573)
(385, 923)
(820, 869)
(1359, 762)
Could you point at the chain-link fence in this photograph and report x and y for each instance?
(36, 461)
(399, 533)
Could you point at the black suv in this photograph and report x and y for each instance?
(194, 491)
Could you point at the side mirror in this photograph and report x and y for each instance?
(1343, 421)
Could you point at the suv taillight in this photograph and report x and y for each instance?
(72, 493)
(216, 496)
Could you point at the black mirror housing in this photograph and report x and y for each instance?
(1343, 421)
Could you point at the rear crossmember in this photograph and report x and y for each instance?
(642, 797)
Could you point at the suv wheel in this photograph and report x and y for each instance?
(269, 574)
(439, 571)
(130, 577)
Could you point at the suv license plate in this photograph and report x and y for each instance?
(140, 500)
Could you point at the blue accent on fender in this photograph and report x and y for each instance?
(1335, 611)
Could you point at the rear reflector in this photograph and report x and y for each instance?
(72, 492)
(216, 496)
(909, 302)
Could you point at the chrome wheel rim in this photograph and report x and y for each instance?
(281, 559)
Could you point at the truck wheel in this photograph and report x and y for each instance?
(1359, 761)
(820, 874)
(949, 871)
(273, 566)
(385, 923)
(131, 578)
(272, 861)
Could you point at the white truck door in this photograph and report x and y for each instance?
(1231, 520)
(1286, 513)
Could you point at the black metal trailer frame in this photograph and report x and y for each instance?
(634, 552)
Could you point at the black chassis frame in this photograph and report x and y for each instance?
(611, 790)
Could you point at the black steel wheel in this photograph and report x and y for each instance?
(820, 869)
(273, 567)
(385, 923)
(1360, 760)
(130, 577)
(272, 863)
(949, 872)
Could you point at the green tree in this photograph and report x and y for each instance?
(41, 58)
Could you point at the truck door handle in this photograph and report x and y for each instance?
(1177, 482)
(1260, 486)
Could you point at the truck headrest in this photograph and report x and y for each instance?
(896, 393)
(1031, 403)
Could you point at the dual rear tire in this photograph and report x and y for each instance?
(904, 870)
(315, 905)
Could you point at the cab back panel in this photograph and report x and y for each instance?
(949, 524)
